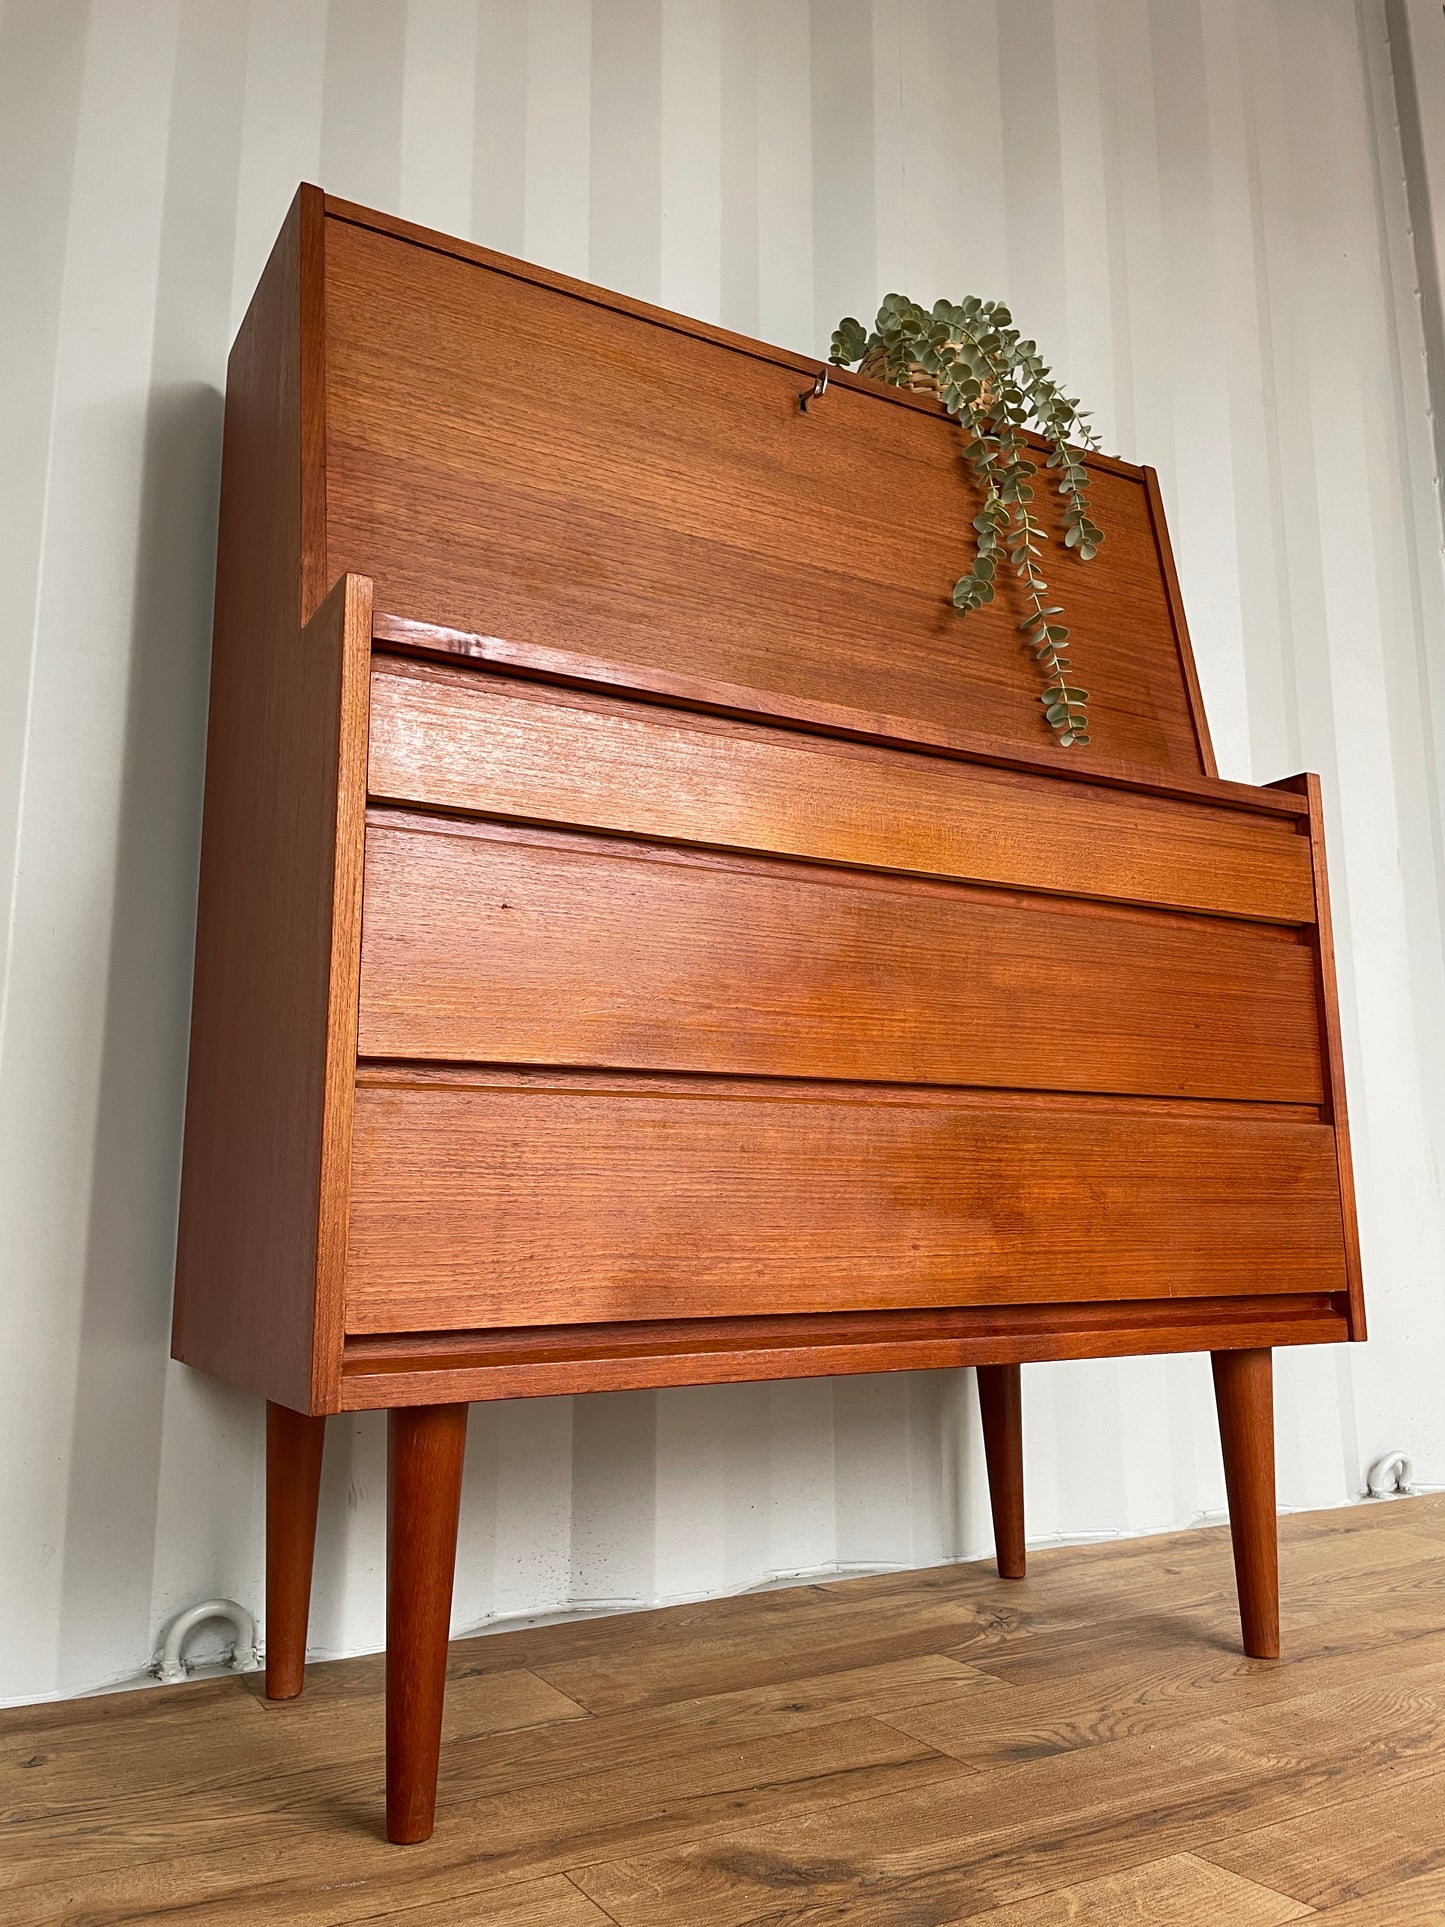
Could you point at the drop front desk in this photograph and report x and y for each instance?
(646, 938)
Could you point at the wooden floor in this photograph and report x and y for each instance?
(912, 1750)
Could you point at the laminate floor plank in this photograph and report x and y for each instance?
(1150, 1686)
(933, 1853)
(1415, 1903)
(1340, 1604)
(1351, 1850)
(1100, 1562)
(841, 1639)
(762, 1618)
(965, 1610)
(79, 1770)
(401, 1899)
(1326, 1609)
(545, 1903)
(1071, 1816)
(1179, 1892)
(313, 1819)
(724, 1721)
(203, 1768)
(554, 1902)
(919, 1748)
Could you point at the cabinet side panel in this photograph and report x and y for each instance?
(1170, 576)
(1332, 1046)
(341, 660)
(246, 1259)
(258, 1267)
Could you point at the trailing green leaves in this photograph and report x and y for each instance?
(850, 342)
(994, 383)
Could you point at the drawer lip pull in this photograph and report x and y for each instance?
(405, 1368)
(569, 669)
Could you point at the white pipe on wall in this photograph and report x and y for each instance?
(171, 1665)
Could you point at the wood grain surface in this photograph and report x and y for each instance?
(577, 669)
(515, 945)
(1327, 1000)
(463, 740)
(260, 558)
(1000, 1405)
(425, 1448)
(1244, 1399)
(1087, 1744)
(537, 1198)
(756, 996)
(1163, 548)
(740, 784)
(681, 509)
(413, 1368)
(263, 1213)
(294, 1446)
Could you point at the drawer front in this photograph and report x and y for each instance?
(503, 1199)
(460, 740)
(498, 944)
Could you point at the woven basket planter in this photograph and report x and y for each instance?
(875, 366)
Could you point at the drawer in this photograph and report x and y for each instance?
(505, 1199)
(502, 944)
(461, 740)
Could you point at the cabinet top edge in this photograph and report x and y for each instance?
(805, 366)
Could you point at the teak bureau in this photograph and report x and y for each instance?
(645, 938)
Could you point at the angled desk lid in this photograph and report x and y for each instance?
(508, 452)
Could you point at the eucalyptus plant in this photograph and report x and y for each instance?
(995, 384)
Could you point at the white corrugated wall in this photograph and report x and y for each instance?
(1197, 206)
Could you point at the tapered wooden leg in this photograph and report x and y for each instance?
(1000, 1401)
(293, 1483)
(1244, 1394)
(425, 1447)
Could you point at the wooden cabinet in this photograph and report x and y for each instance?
(645, 938)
